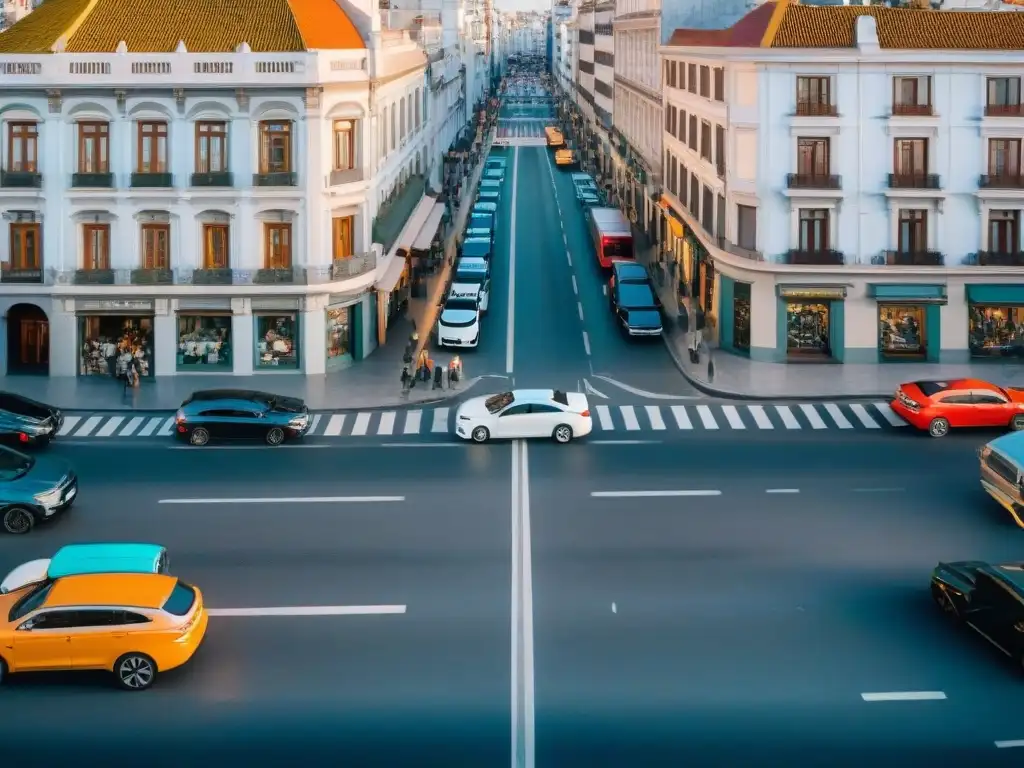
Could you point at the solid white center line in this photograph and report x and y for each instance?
(292, 500)
(579, 306)
(586, 343)
(131, 426)
(412, 423)
(150, 427)
(681, 417)
(877, 490)
(111, 426)
(783, 490)
(654, 416)
(649, 494)
(90, 424)
(837, 416)
(889, 415)
(361, 424)
(788, 419)
(440, 420)
(629, 416)
(568, 257)
(905, 696)
(733, 417)
(862, 413)
(604, 417)
(312, 610)
(167, 427)
(69, 424)
(706, 417)
(314, 424)
(510, 324)
(760, 417)
(1010, 744)
(811, 414)
(387, 423)
(575, 289)
(334, 425)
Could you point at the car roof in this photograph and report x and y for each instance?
(626, 266)
(210, 395)
(533, 395)
(931, 388)
(1011, 574)
(141, 590)
(471, 264)
(76, 559)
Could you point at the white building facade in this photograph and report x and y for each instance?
(853, 203)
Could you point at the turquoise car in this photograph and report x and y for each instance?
(491, 184)
(488, 196)
(79, 559)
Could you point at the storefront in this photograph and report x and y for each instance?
(908, 321)
(111, 333)
(811, 322)
(342, 320)
(734, 311)
(204, 341)
(995, 321)
(276, 337)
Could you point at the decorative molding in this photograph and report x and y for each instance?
(55, 101)
(122, 100)
(312, 97)
(243, 99)
(179, 99)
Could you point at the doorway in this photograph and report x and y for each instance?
(28, 340)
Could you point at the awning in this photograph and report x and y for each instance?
(996, 294)
(391, 275)
(429, 230)
(414, 224)
(912, 293)
(825, 292)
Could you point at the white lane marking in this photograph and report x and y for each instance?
(361, 424)
(387, 423)
(650, 494)
(604, 290)
(604, 417)
(878, 490)
(760, 417)
(837, 416)
(591, 391)
(783, 490)
(111, 426)
(334, 425)
(568, 258)
(422, 445)
(788, 419)
(629, 416)
(643, 392)
(579, 307)
(285, 447)
(586, 343)
(1011, 744)
(575, 289)
(292, 500)
(510, 322)
(733, 417)
(811, 414)
(521, 657)
(167, 427)
(69, 424)
(889, 414)
(412, 423)
(440, 420)
(623, 442)
(681, 417)
(905, 696)
(865, 418)
(150, 427)
(654, 416)
(131, 426)
(311, 610)
(314, 424)
(90, 424)
(707, 417)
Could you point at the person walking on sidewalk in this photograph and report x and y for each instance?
(438, 377)
(454, 371)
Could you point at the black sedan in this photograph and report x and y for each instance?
(33, 489)
(26, 421)
(228, 414)
(637, 310)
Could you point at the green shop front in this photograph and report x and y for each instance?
(995, 321)
(810, 323)
(909, 317)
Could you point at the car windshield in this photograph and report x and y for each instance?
(470, 278)
(499, 402)
(14, 465)
(460, 304)
(34, 599)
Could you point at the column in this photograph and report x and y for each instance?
(165, 337)
(242, 337)
(63, 338)
(56, 168)
(313, 328)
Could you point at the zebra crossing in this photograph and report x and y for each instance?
(607, 418)
(522, 128)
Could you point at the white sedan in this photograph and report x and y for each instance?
(523, 413)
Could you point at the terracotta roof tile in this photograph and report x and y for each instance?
(745, 33)
(37, 32)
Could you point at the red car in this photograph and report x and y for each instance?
(938, 405)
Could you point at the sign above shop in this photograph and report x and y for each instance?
(117, 305)
(837, 292)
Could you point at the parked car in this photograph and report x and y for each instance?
(523, 413)
(636, 308)
(227, 414)
(938, 406)
(27, 421)
(33, 489)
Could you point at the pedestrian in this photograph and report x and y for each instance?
(454, 371)
(438, 377)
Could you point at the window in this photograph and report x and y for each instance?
(215, 246)
(1004, 231)
(682, 126)
(517, 410)
(720, 216)
(418, 100)
(707, 211)
(96, 246)
(911, 157)
(275, 147)
(204, 340)
(211, 147)
(401, 118)
(25, 251)
(813, 96)
(1004, 158)
(54, 620)
(156, 246)
(683, 183)
(746, 227)
(344, 145)
(93, 147)
(719, 84)
(705, 82)
(694, 194)
(901, 330)
(277, 341)
(812, 157)
(277, 246)
(1003, 95)
(912, 233)
(994, 331)
(22, 147)
(342, 228)
(691, 78)
(394, 133)
(692, 128)
(152, 147)
(181, 600)
(814, 230)
(339, 334)
(705, 140)
(720, 150)
(912, 95)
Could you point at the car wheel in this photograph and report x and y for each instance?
(1017, 422)
(18, 520)
(135, 671)
(939, 427)
(199, 437)
(275, 436)
(562, 434)
(480, 435)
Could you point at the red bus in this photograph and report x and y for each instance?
(612, 235)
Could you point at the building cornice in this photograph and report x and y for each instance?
(830, 57)
(636, 87)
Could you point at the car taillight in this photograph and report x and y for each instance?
(23, 437)
(586, 413)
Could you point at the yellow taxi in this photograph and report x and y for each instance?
(132, 624)
(564, 157)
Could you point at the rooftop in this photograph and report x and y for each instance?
(787, 24)
(207, 26)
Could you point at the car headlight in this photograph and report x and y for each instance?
(48, 498)
(299, 422)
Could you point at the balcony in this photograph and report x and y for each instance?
(1011, 180)
(152, 277)
(282, 179)
(914, 258)
(1004, 110)
(346, 176)
(21, 179)
(142, 180)
(21, 276)
(1000, 259)
(342, 269)
(914, 181)
(279, 276)
(212, 277)
(813, 181)
(815, 258)
(913, 110)
(815, 109)
(219, 179)
(94, 277)
(92, 180)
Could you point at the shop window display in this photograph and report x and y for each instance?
(741, 316)
(901, 331)
(807, 329)
(108, 343)
(277, 341)
(204, 341)
(996, 331)
(339, 334)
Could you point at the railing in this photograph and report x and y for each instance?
(218, 179)
(92, 180)
(913, 258)
(1004, 110)
(282, 179)
(347, 176)
(813, 181)
(915, 181)
(21, 179)
(815, 257)
(913, 110)
(423, 27)
(159, 180)
(999, 259)
(815, 109)
(1002, 181)
(22, 276)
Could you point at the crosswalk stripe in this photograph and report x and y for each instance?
(889, 414)
(733, 417)
(314, 424)
(151, 425)
(334, 425)
(412, 423)
(812, 416)
(760, 417)
(681, 417)
(629, 416)
(604, 416)
(131, 426)
(387, 423)
(168, 425)
(440, 420)
(707, 417)
(837, 416)
(865, 418)
(111, 426)
(654, 416)
(69, 424)
(362, 423)
(787, 417)
(90, 424)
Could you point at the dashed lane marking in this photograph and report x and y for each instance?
(905, 696)
(310, 610)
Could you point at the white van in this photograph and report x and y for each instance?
(471, 281)
(458, 325)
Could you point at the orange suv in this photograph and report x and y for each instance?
(937, 406)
